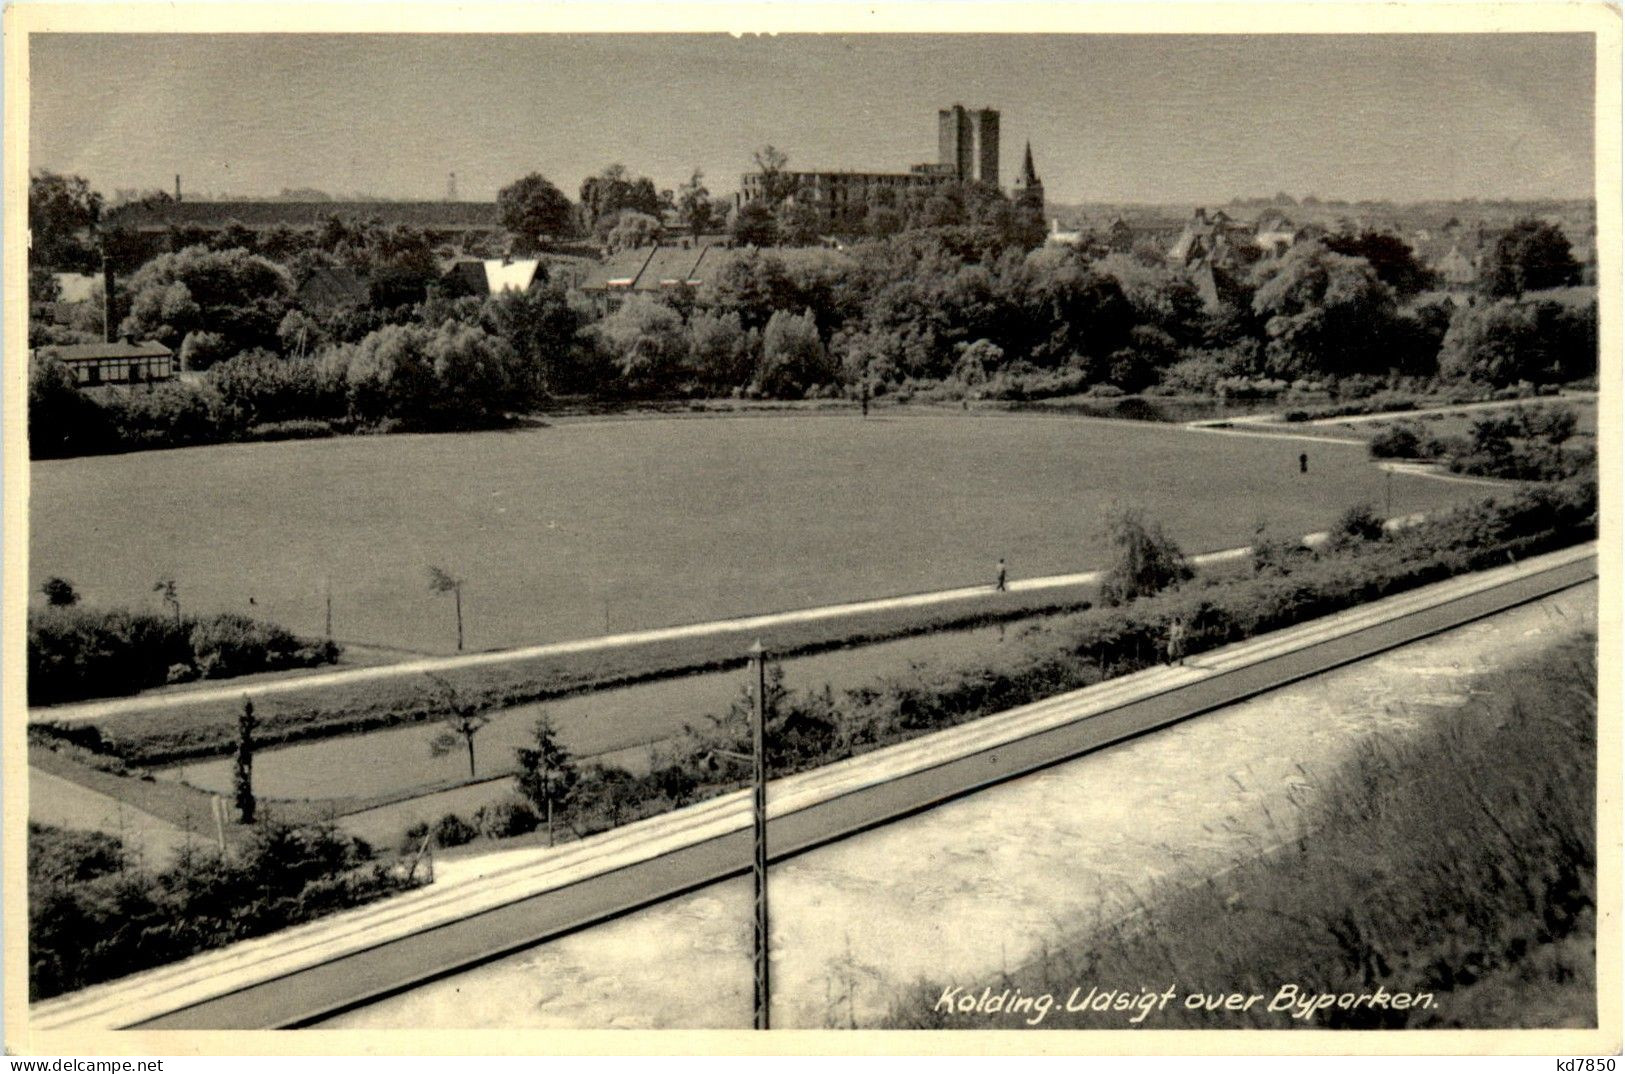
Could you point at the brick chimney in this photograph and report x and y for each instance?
(107, 300)
(177, 187)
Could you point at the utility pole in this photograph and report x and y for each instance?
(330, 608)
(759, 764)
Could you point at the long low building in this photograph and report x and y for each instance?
(437, 217)
(121, 361)
(657, 271)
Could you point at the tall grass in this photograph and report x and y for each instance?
(1459, 862)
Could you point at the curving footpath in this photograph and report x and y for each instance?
(161, 701)
(506, 901)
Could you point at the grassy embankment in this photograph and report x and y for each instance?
(192, 730)
(1460, 862)
(1284, 584)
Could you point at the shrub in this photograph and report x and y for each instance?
(1358, 523)
(1402, 440)
(1147, 560)
(93, 917)
(793, 357)
(1277, 555)
(452, 830)
(505, 819)
(79, 652)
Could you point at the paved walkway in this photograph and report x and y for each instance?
(62, 802)
(980, 885)
(490, 882)
(90, 711)
(1275, 427)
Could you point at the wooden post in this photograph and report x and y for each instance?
(457, 592)
(759, 811)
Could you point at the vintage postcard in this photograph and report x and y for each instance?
(730, 528)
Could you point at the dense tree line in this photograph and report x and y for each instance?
(953, 294)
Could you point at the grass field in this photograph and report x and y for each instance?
(568, 531)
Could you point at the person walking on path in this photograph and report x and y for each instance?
(1176, 641)
(998, 583)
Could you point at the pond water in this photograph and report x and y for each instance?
(617, 725)
(1140, 408)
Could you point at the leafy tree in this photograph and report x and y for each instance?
(1161, 297)
(882, 221)
(1147, 560)
(544, 330)
(230, 294)
(694, 205)
(608, 789)
(777, 183)
(63, 212)
(633, 230)
(1502, 343)
(1358, 524)
(242, 778)
(1389, 256)
(1531, 256)
(59, 592)
(533, 209)
(463, 720)
(452, 376)
(1324, 313)
(647, 341)
(442, 581)
(235, 236)
(755, 225)
(723, 353)
(399, 264)
(169, 593)
(62, 419)
(547, 773)
(799, 224)
(793, 357)
(612, 191)
(43, 285)
(754, 285)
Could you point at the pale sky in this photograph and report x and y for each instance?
(1111, 118)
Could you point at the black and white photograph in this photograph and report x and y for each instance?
(547, 521)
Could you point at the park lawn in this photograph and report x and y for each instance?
(573, 530)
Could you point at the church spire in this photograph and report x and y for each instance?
(1029, 176)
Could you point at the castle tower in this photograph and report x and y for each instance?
(1028, 189)
(968, 143)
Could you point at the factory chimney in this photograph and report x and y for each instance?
(177, 187)
(107, 300)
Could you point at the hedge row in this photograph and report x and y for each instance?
(94, 914)
(75, 653)
(1287, 584)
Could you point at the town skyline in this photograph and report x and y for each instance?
(1154, 121)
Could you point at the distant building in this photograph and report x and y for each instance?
(968, 142)
(119, 362)
(1274, 233)
(967, 151)
(330, 288)
(1214, 239)
(150, 223)
(663, 272)
(1058, 237)
(1456, 269)
(1028, 191)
